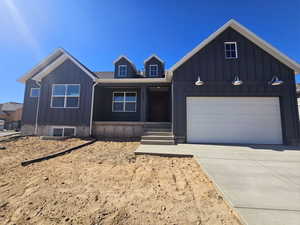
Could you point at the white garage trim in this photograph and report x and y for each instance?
(242, 120)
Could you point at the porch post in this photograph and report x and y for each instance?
(143, 103)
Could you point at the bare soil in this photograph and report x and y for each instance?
(104, 184)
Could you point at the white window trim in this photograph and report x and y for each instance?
(124, 105)
(156, 67)
(235, 49)
(63, 127)
(31, 93)
(65, 97)
(119, 70)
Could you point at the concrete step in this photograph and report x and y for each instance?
(158, 142)
(157, 129)
(158, 133)
(155, 137)
(157, 125)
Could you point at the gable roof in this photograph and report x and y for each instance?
(125, 57)
(154, 56)
(50, 63)
(248, 34)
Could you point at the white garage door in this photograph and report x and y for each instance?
(245, 120)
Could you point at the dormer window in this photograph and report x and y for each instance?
(153, 70)
(230, 50)
(122, 71)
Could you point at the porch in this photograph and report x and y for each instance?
(131, 110)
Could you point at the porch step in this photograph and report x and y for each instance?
(162, 130)
(158, 133)
(158, 137)
(160, 125)
(158, 142)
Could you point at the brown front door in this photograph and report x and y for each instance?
(159, 106)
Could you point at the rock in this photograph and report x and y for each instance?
(2, 147)
(46, 178)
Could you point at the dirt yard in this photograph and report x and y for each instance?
(104, 184)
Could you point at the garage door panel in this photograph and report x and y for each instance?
(233, 120)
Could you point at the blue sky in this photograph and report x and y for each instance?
(97, 32)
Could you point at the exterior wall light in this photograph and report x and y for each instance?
(237, 81)
(275, 81)
(199, 82)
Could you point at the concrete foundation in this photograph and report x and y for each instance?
(46, 130)
(118, 129)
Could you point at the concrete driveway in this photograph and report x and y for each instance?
(262, 182)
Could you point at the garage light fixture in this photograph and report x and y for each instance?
(275, 81)
(199, 82)
(237, 81)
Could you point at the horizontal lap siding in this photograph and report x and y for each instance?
(254, 66)
(66, 73)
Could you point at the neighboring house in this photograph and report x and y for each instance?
(232, 88)
(11, 113)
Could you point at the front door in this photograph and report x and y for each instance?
(159, 106)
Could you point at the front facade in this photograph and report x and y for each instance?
(232, 88)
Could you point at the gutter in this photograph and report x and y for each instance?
(37, 110)
(92, 107)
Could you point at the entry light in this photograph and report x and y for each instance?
(199, 82)
(275, 81)
(237, 81)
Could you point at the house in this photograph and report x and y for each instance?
(232, 88)
(11, 113)
(298, 96)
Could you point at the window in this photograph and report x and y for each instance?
(230, 50)
(34, 92)
(65, 96)
(64, 131)
(122, 70)
(153, 70)
(124, 102)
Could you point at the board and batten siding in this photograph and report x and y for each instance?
(30, 104)
(154, 61)
(254, 66)
(66, 73)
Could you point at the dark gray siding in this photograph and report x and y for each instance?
(131, 72)
(153, 61)
(30, 104)
(254, 66)
(66, 73)
(103, 105)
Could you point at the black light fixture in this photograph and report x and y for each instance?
(199, 82)
(275, 81)
(237, 81)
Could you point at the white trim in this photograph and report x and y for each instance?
(31, 93)
(119, 69)
(120, 57)
(248, 34)
(154, 56)
(65, 96)
(153, 65)
(124, 101)
(235, 49)
(37, 111)
(29, 74)
(135, 80)
(40, 75)
(63, 132)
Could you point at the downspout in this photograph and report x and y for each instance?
(92, 107)
(37, 109)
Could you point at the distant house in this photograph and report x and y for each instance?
(232, 88)
(11, 113)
